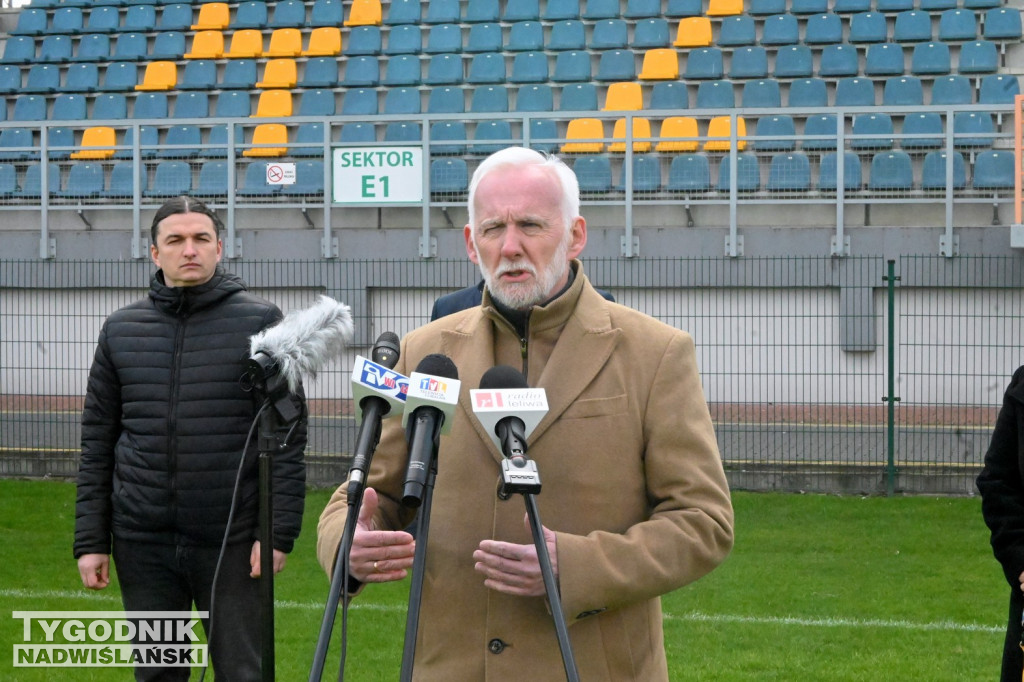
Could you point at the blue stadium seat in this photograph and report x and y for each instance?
(20, 50)
(689, 173)
(489, 99)
(994, 170)
(69, 107)
(820, 132)
(149, 140)
(481, 11)
(891, 171)
(952, 90)
(1002, 23)
(402, 101)
(93, 47)
(704, 63)
(958, 24)
(936, 5)
(808, 6)
(594, 172)
(749, 62)
(402, 69)
(761, 94)
(250, 14)
(150, 105)
(60, 142)
(926, 124)
(529, 67)
(233, 104)
(560, 10)
(212, 181)
(868, 27)
(109, 107)
(903, 91)
(444, 38)
(808, 92)
(521, 10)
(448, 137)
(32, 181)
(572, 66)
(757, 8)
(55, 49)
(578, 97)
(642, 9)
(609, 34)
(192, 105)
(851, 6)
(319, 72)
(998, 88)
(363, 41)
(872, 131)
(930, 59)
(525, 36)
(780, 29)
(855, 92)
(748, 173)
(884, 59)
(775, 133)
(130, 47)
(973, 129)
(789, 172)
(8, 179)
(404, 39)
(912, 26)
(69, 20)
(446, 100)
(42, 78)
(718, 94)
(84, 77)
(694, 8)
(823, 29)
(359, 102)
(29, 108)
(736, 31)
(309, 180)
(182, 142)
(601, 9)
(31, 22)
(122, 181)
(568, 34)
(981, 4)
(120, 76)
(289, 14)
(199, 74)
(175, 17)
(443, 69)
(933, 171)
(361, 71)
(491, 136)
(16, 144)
(239, 74)
(486, 67)
(358, 132)
(793, 61)
(448, 176)
(443, 12)
(543, 135)
(980, 56)
(537, 97)
(828, 172)
(101, 20)
(254, 181)
(168, 45)
(651, 33)
(669, 95)
(485, 37)
(838, 61)
(646, 174)
(316, 102)
(403, 12)
(402, 132)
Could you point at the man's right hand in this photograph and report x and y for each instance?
(95, 570)
(378, 556)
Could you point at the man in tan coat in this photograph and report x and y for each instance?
(634, 500)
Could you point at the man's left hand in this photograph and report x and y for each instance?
(254, 560)
(515, 569)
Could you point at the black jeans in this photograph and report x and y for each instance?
(1013, 656)
(171, 578)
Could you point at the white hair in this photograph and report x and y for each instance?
(522, 156)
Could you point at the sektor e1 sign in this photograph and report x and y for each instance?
(377, 175)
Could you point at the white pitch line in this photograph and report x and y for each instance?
(692, 616)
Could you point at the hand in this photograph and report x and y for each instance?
(1021, 579)
(378, 556)
(95, 570)
(254, 560)
(515, 569)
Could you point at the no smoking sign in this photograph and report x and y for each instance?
(280, 173)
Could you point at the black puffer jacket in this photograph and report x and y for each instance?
(166, 418)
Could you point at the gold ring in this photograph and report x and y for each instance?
(375, 569)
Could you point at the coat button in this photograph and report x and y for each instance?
(496, 646)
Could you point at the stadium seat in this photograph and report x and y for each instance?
(309, 180)
(131, 47)
(245, 44)
(560, 10)
(775, 133)
(521, 10)
(998, 88)
(589, 129)
(359, 102)
(808, 92)
(168, 45)
(704, 63)
(213, 16)
(884, 59)
(232, 104)
(646, 174)
(789, 172)
(1002, 23)
(486, 37)
(448, 176)
(724, 8)
(191, 105)
(499, 132)
(980, 56)
(69, 107)
(958, 24)
(29, 107)
(749, 62)
(93, 47)
(212, 181)
(737, 31)
(481, 11)
(677, 134)
(403, 12)
(572, 66)
(855, 92)
(981, 4)
(404, 39)
(401, 70)
(720, 131)
(624, 96)
(60, 142)
(748, 173)
(650, 34)
(640, 133)
(206, 45)
(903, 91)
(55, 49)
(693, 32)
(250, 14)
(181, 142)
(525, 36)
(363, 41)
(42, 78)
(761, 94)
(254, 181)
(578, 97)
(324, 41)
(922, 124)
(718, 94)
(819, 133)
(109, 107)
(868, 27)
(316, 102)
(761, 8)
(616, 65)
(689, 173)
(101, 20)
(594, 174)
(486, 67)
(319, 72)
(851, 6)
(199, 74)
(32, 181)
(537, 97)
(808, 6)
(543, 135)
(642, 9)
(274, 104)
(933, 171)
(16, 144)
(878, 126)
(601, 9)
(151, 105)
(489, 99)
(568, 34)
(448, 137)
(358, 133)
(912, 26)
(159, 76)
(529, 67)
(793, 61)
(952, 90)
(122, 181)
(444, 38)
(402, 101)
(239, 74)
(891, 171)
(399, 132)
(362, 71)
(973, 129)
(443, 69)
(609, 34)
(838, 61)
(31, 22)
(828, 172)
(8, 180)
(994, 170)
(284, 42)
(98, 143)
(283, 73)
(149, 141)
(930, 59)
(443, 12)
(22, 49)
(364, 13)
(175, 17)
(669, 95)
(275, 134)
(288, 13)
(823, 29)
(780, 29)
(84, 77)
(937, 5)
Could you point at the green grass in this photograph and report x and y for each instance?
(817, 588)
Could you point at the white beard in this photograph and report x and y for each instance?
(523, 296)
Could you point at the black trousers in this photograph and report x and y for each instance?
(173, 578)
(1013, 656)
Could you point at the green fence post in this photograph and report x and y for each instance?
(890, 397)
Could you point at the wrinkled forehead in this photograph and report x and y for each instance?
(530, 189)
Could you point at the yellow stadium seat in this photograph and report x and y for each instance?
(207, 45)
(159, 76)
(625, 96)
(213, 16)
(274, 104)
(641, 135)
(245, 44)
(364, 13)
(584, 129)
(97, 143)
(718, 134)
(324, 41)
(285, 42)
(269, 134)
(660, 64)
(678, 127)
(693, 32)
(724, 8)
(279, 73)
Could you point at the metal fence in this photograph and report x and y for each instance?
(855, 375)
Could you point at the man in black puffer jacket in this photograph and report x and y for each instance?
(164, 427)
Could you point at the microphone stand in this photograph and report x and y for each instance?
(419, 562)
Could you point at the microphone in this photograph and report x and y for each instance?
(510, 411)
(429, 408)
(300, 344)
(378, 392)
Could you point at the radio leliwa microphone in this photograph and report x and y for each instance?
(510, 410)
(429, 408)
(378, 392)
(301, 343)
